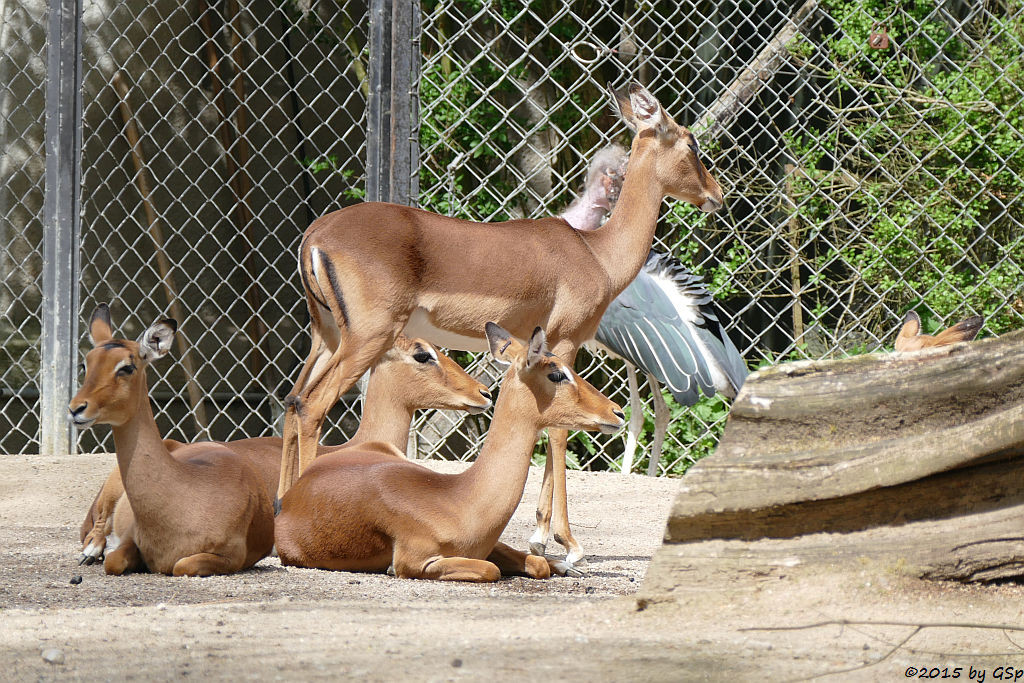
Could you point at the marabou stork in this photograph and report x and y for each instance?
(665, 322)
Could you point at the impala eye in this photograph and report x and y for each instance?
(125, 370)
(557, 376)
(422, 357)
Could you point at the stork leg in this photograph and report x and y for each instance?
(636, 420)
(661, 417)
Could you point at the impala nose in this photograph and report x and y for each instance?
(486, 394)
(77, 415)
(619, 414)
(711, 204)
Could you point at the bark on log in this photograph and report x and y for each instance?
(913, 460)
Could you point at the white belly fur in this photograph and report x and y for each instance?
(419, 325)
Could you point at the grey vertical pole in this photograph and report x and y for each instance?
(405, 57)
(378, 106)
(63, 144)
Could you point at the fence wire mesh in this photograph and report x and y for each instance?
(870, 154)
(22, 162)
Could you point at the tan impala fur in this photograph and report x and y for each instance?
(362, 511)
(411, 376)
(372, 270)
(201, 511)
(911, 339)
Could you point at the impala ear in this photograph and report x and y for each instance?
(503, 346)
(647, 111)
(911, 325)
(100, 329)
(623, 107)
(538, 348)
(155, 342)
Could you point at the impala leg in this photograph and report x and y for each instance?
(451, 569)
(511, 561)
(205, 564)
(558, 438)
(319, 354)
(661, 416)
(539, 539)
(553, 491)
(101, 514)
(340, 373)
(124, 559)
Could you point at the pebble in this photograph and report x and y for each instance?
(53, 656)
(75, 580)
(456, 663)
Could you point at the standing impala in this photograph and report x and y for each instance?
(202, 510)
(372, 270)
(411, 376)
(364, 511)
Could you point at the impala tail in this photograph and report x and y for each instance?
(321, 282)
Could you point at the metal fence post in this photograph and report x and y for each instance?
(378, 105)
(391, 147)
(63, 143)
(405, 60)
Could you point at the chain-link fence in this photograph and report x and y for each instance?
(23, 67)
(870, 154)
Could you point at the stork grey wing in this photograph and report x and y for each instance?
(734, 366)
(641, 343)
(665, 322)
(643, 327)
(728, 370)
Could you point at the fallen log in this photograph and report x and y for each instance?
(909, 460)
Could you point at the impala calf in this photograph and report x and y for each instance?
(202, 510)
(412, 376)
(911, 339)
(374, 270)
(361, 511)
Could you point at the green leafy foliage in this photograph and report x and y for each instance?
(329, 164)
(693, 432)
(917, 191)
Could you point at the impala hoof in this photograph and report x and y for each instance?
(563, 568)
(575, 557)
(537, 548)
(91, 553)
(391, 570)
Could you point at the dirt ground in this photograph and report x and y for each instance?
(287, 624)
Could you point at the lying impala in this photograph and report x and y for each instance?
(409, 377)
(372, 270)
(364, 511)
(202, 510)
(911, 339)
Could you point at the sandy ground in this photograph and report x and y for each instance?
(288, 624)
